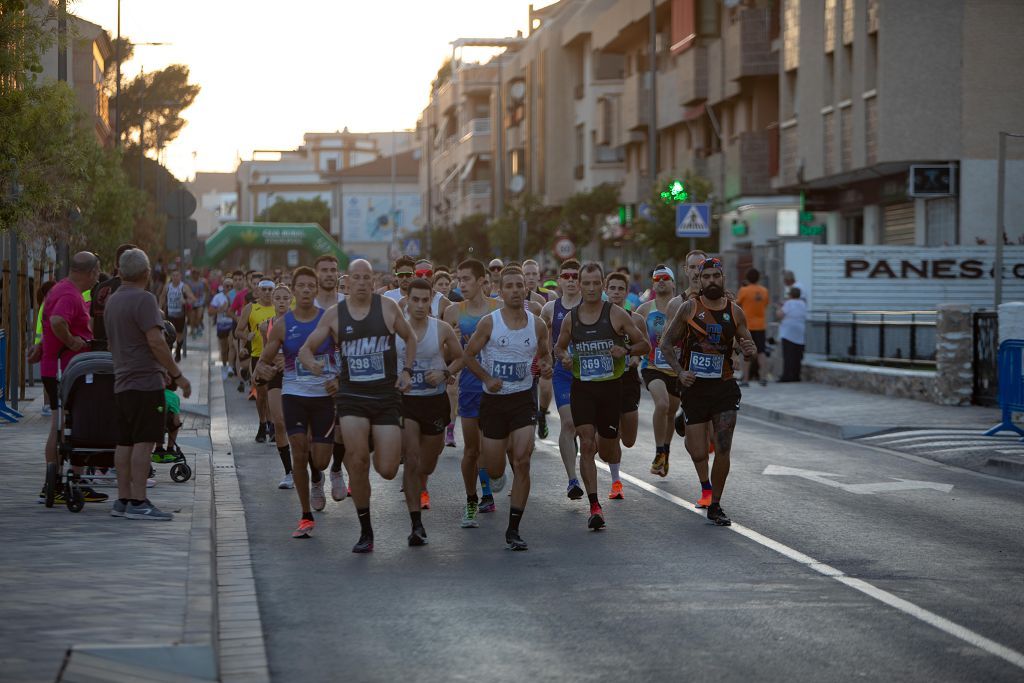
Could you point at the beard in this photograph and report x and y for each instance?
(712, 292)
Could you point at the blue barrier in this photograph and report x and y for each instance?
(6, 412)
(1011, 386)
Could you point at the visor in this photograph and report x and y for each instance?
(664, 271)
(266, 283)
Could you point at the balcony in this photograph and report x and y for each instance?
(445, 97)
(693, 76)
(635, 104)
(748, 165)
(748, 46)
(476, 139)
(477, 189)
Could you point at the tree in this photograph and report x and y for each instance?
(541, 224)
(583, 212)
(298, 211)
(153, 102)
(659, 232)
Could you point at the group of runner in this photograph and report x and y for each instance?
(347, 371)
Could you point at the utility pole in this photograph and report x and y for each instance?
(652, 118)
(394, 211)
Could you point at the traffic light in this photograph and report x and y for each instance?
(675, 193)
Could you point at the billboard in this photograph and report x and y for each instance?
(367, 217)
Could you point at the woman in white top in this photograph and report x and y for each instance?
(792, 331)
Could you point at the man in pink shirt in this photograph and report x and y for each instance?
(67, 331)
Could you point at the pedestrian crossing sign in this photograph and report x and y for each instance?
(693, 220)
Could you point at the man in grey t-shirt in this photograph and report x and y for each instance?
(135, 330)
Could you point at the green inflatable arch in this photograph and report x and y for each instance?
(307, 236)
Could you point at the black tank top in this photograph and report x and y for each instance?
(369, 362)
(592, 359)
(707, 346)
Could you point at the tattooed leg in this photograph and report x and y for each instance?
(724, 425)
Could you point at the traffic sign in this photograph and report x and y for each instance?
(411, 247)
(564, 248)
(693, 220)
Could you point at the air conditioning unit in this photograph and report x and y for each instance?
(932, 180)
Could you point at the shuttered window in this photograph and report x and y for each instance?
(898, 223)
(940, 222)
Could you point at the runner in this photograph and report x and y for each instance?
(425, 407)
(464, 317)
(508, 340)
(617, 289)
(225, 321)
(246, 295)
(369, 385)
(596, 330)
(173, 300)
(405, 270)
(494, 267)
(308, 407)
(281, 299)
(253, 315)
(200, 288)
(561, 382)
(442, 283)
(328, 294)
(707, 327)
(656, 371)
(531, 271)
(541, 296)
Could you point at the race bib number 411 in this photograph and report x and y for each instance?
(706, 365)
(509, 372)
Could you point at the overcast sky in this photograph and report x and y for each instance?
(272, 70)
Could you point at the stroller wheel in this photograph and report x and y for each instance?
(51, 483)
(181, 472)
(75, 501)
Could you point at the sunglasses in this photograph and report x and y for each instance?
(266, 289)
(496, 269)
(569, 276)
(662, 278)
(424, 273)
(404, 273)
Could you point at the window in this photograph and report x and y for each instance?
(853, 229)
(940, 222)
(871, 68)
(580, 153)
(791, 29)
(830, 26)
(846, 80)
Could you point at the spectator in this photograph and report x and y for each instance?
(66, 333)
(100, 293)
(753, 299)
(36, 352)
(136, 331)
(790, 281)
(792, 331)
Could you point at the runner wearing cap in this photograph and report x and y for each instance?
(254, 315)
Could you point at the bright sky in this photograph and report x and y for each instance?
(271, 70)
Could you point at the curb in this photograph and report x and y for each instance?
(844, 432)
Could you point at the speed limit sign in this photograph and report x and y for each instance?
(564, 248)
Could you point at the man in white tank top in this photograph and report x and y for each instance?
(425, 408)
(507, 341)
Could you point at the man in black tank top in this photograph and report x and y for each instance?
(708, 326)
(369, 385)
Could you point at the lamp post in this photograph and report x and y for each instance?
(1000, 208)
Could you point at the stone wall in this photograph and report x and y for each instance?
(915, 384)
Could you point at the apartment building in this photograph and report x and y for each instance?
(870, 88)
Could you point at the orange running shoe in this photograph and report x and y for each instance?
(705, 498)
(305, 529)
(711, 446)
(616, 492)
(425, 500)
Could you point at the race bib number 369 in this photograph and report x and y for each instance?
(706, 365)
(593, 368)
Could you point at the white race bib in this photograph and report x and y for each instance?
(706, 365)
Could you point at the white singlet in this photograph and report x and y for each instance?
(509, 353)
(428, 357)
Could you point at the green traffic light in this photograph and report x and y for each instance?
(675, 193)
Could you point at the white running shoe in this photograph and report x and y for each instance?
(316, 495)
(287, 483)
(338, 490)
(46, 410)
(497, 484)
(150, 483)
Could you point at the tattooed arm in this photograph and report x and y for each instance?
(672, 333)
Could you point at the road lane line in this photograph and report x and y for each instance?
(941, 623)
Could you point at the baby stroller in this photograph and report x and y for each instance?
(180, 470)
(86, 425)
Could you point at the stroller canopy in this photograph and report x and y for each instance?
(90, 363)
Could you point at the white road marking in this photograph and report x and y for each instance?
(862, 489)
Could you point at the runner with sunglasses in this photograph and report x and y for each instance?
(328, 293)
(438, 302)
(405, 271)
(553, 314)
(494, 268)
(656, 371)
(254, 315)
(707, 327)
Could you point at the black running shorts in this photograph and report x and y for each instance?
(312, 413)
(140, 417)
(671, 381)
(179, 324)
(706, 398)
(431, 413)
(597, 404)
(502, 414)
(630, 392)
(52, 390)
(379, 410)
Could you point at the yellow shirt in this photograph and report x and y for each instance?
(258, 314)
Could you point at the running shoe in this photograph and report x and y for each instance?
(271, 432)
(574, 491)
(241, 386)
(162, 456)
(681, 424)
(146, 510)
(469, 516)
(596, 520)
(487, 504)
(705, 498)
(58, 497)
(317, 498)
(744, 384)
(425, 500)
(177, 355)
(449, 435)
(338, 491)
(513, 541)
(261, 433)
(717, 515)
(289, 483)
(252, 394)
(46, 412)
(150, 483)
(418, 536)
(365, 544)
(497, 484)
(763, 382)
(542, 426)
(660, 465)
(91, 496)
(119, 508)
(305, 529)
(616, 492)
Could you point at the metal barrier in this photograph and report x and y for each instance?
(1011, 386)
(986, 358)
(6, 412)
(896, 337)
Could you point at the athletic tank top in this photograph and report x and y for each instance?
(428, 357)
(557, 316)
(435, 304)
(258, 314)
(707, 344)
(299, 381)
(466, 327)
(656, 321)
(508, 354)
(175, 300)
(198, 288)
(592, 359)
(369, 364)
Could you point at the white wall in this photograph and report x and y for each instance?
(978, 198)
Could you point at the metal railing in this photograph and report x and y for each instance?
(876, 337)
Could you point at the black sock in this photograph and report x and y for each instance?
(122, 501)
(364, 521)
(592, 497)
(416, 519)
(307, 515)
(286, 458)
(315, 475)
(666, 448)
(705, 485)
(660, 449)
(136, 502)
(514, 516)
(339, 455)
(472, 498)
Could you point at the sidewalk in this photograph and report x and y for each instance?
(130, 600)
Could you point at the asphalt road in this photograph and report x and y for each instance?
(847, 572)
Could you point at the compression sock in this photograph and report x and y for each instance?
(339, 455)
(515, 515)
(485, 482)
(308, 515)
(364, 521)
(286, 458)
(614, 467)
(416, 519)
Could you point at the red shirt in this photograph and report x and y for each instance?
(239, 303)
(64, 300)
